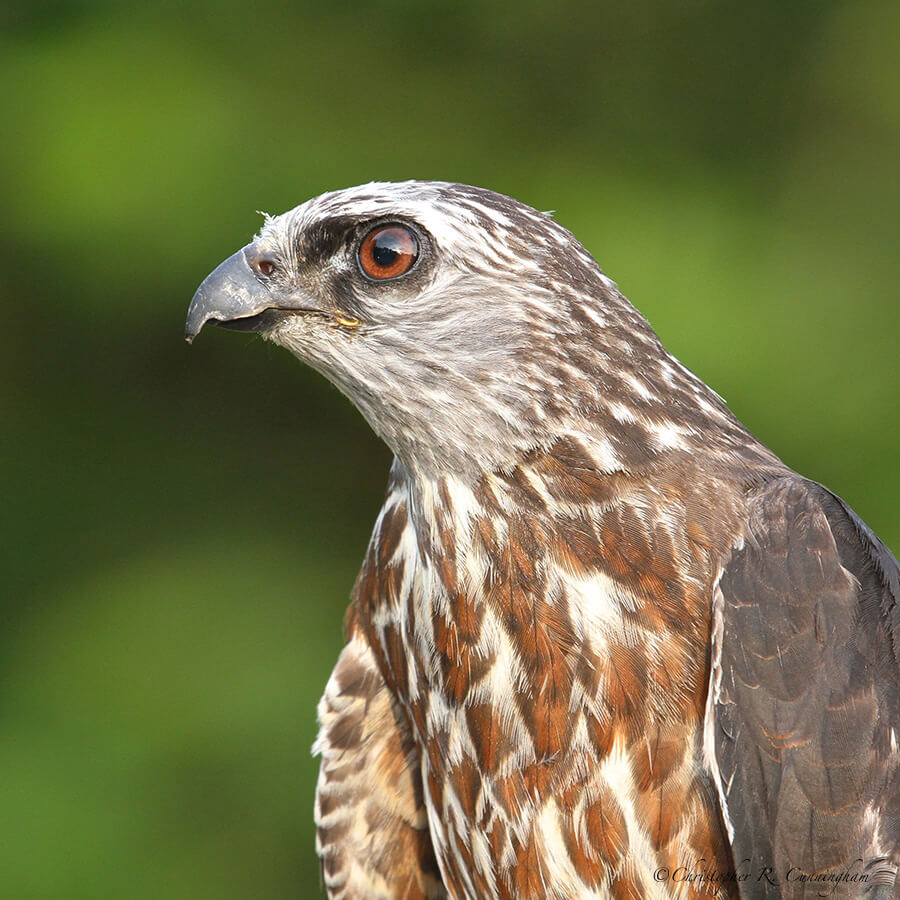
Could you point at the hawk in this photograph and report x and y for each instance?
(604, 643)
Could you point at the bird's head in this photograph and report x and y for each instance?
(463, 324)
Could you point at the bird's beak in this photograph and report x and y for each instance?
(232, 296)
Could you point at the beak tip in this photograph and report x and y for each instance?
(196, 319)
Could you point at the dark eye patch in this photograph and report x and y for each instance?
(325, 238)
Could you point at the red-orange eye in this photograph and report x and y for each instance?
(388, 251)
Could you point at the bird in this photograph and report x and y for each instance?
(604, 643)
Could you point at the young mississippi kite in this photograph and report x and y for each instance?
(604, 642)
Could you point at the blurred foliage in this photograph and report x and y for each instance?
(183, 526)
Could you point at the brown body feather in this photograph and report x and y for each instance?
(547, 642)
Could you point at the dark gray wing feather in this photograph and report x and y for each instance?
(804, 711)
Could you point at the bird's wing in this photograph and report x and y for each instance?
(372, 832)
(803, 715)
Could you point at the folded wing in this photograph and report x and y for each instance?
(803, 715)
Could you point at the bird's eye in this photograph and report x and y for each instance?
(388, 251)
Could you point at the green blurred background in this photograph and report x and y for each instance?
(182, 526)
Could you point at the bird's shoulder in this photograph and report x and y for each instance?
(797, 533)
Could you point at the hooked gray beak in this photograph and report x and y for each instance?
(232, 296)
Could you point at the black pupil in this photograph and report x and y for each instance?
(386, 249)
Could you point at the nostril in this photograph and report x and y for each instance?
(263, 263)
